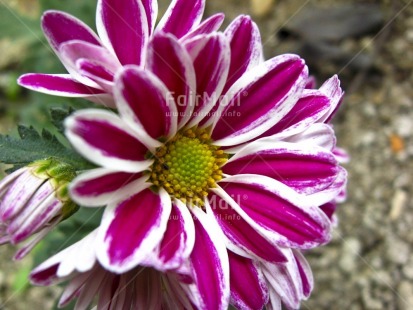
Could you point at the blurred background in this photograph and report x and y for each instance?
(369, 44)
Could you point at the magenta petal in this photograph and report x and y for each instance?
(144, 101)
(89, 132)
(310, 108)
(248, 287)
(123, 26)
(45, 276)
(246, 48)
(241, 233)
(333, 90)
(60, 27)
(209, 262)
(57, 84)
(306, 274)
(306, 169)
(178, 240)
(208, 26)
(211, 58)
(259, 100)
(131, 229)
(101, 186)
(181, 17)
(171, 63)
(277, 211)
(151, 9)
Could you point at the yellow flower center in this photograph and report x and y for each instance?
(188, 165)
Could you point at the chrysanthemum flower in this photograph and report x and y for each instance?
(124, 28)
(33, 200)
(140, 288)
(248, 176)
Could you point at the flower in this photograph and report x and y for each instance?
(140, 288)
(254, 284)
(247, 169)
(257, 284)
(124, 28)
(33, 200)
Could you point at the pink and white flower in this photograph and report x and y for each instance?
(240, 182)
(215, 165)
(124, 29)
(33, 200)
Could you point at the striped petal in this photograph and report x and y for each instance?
(246, 48)
(276, 211)
(209, 25)
(168, 60)
(331, 88)
(177, 242)
(145, 104)
(60, 27)
(209, 264)
(211, 58)
(131, 229)
(306, 169)
(248, 287)
(312, 105)
(99, 187)
(239, 233)
(89, 132)
(259, 100)
(123, 28)
(63, 85)
(182, 16)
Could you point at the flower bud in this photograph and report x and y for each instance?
(33, 200)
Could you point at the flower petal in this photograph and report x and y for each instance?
(332, 90)
(259, 100)
(312, 105)
(332, 192)
(181, 16)
(318, 134)
(60, 27)
(151, 9)
(276, 211)
(246, 48)
(18, 194)
(248, 287)
(97, 72)
(71, 51)
(240, 233)
(123, 28)
(306, 169)
(168, 60)
(211, 58)
(285, 280)
(178, 240)
(67, 261)
(131, 229)
(99, 187)
(89, 132)
(306, 274)
(208, 26)
(59, 85)
(209, 263)
(145, 104)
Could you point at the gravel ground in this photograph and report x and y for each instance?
(369, 263)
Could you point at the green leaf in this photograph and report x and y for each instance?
(58, 115)
(32, 146)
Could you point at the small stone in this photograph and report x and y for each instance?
(405, 295)
(350, 254)
(261, 8)
(408, 269)
(397, 250)
(398, 203)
